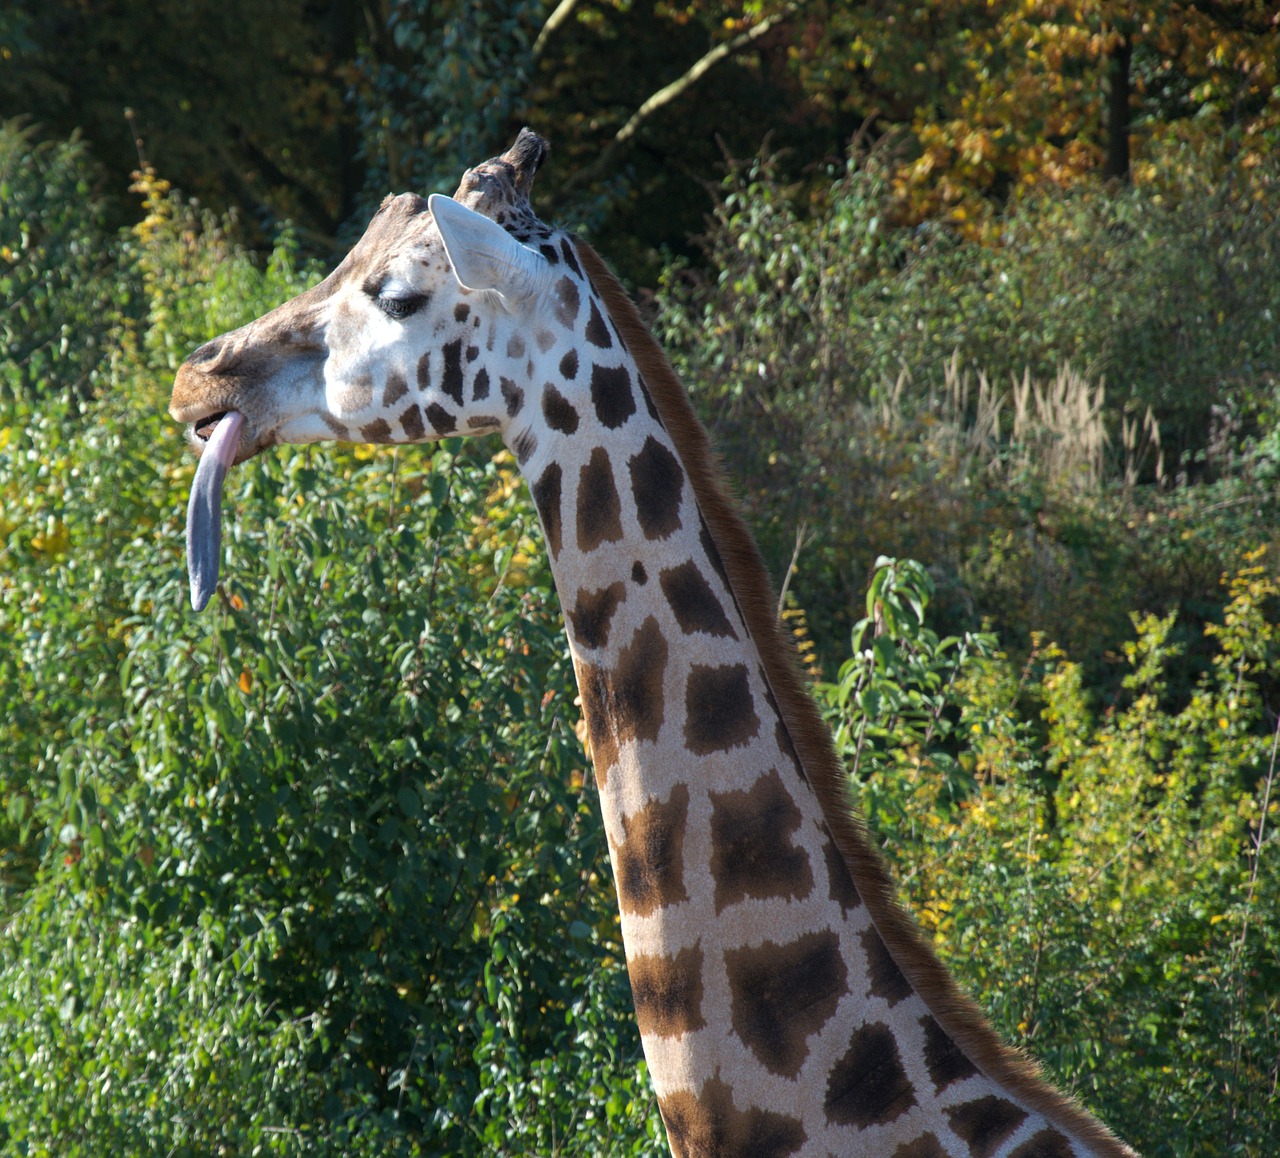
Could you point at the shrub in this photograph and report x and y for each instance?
(1104, 882)
(322, 869)
(60, 292)
(931, 396)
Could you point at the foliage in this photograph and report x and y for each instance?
(243, 101)
(1000, 98)
(233, 920)
(895, 688)
(335, 102)
(922, 391)
(1106, 882)
(57, 297)
(439, 87)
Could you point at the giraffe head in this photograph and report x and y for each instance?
(380, 350)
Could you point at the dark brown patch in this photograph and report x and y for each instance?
(625, 703)
(657, 482)
(842, 890)
(945, 1060)
(709, 1125)
(648, 401)
(525, 444)
(376, 431)
(473, 352)
(693, 603)
(340, 429)
(461, 312)
(567, 301)
(442, 422)
(512, 395)
(483, 422)
(751, 850)
(451, 383)
(544, 339)
(597, 331)
(649, 864)
(781, 735)
(515, 346)
(985, 1123)
(782, 994)
(395, 389)
(569, 366)
(424, 371)
(1048, 1143)
(868, 1086)
(570, 260)
(926, 1146)
(546, 494)
(411, 421)
(783, 739)
(593, 611)
(886, 978)
(637, 684)
(480, 387)
(551, 254)
(593, 689)
(638, 574)
(611, 393)
(599, 508)
(558, 410)
(667, 992)
(719, 711)
(713, 554)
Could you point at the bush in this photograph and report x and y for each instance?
(1105, 883)
(302, 868)
(60, 292)
(1016, 415)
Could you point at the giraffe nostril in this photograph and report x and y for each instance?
(209, 352)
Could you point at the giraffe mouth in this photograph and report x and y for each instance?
(205, 427)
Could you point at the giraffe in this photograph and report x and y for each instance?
(787, 1004)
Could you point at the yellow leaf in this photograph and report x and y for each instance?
(246, 681)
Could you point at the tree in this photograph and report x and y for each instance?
(238, 102)
(1003, 97)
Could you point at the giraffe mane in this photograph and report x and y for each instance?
(954, 1011)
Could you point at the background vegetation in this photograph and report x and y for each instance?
(321, 872)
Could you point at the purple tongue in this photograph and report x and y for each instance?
(204, 509)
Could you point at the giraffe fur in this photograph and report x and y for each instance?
(787, 1004)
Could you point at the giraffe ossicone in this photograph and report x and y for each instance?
(786, 1002)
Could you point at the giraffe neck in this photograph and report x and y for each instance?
(785, 1003)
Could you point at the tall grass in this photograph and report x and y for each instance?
(1060, 430)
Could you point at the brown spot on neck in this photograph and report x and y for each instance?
(783, 994)
(649, 862)
(708, 1123)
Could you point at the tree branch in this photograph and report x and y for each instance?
(562, 12)
(665, 95)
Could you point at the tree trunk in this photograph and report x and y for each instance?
(1118, 115)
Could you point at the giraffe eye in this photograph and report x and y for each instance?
(401, 306)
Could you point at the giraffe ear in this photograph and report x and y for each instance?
(484, 255)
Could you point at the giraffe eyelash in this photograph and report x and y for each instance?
(400, 306)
